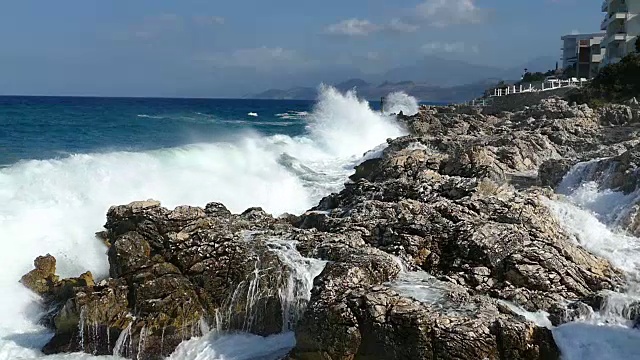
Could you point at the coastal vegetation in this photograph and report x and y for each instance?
(614, 83)
(530, 77)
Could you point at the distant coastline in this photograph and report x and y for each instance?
(426, 93)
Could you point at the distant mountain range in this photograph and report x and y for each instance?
(376, 91)
(430, 79)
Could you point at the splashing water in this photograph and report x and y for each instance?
(399, 101)
(299, 282)
(55, 206)
(592, 213)
(344, 125)
(294, 293)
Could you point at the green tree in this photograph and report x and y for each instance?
(529, 77)
(638, 44)
(613, 83)
(570, 71)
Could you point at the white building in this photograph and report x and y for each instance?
(622, 26)
(584, 52)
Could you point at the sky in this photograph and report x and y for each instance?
(220, 48)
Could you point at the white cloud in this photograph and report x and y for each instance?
(443, 13)
(400, 26)
(439, 13)
(358, 27)
(452, 47)
(261, 58)
(352, 27)
(206, 20)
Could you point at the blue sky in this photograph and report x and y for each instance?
(228, 48)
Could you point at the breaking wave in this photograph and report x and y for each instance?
(399, 101)
(55, 206)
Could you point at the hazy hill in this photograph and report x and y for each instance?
(430, 79)
(423, 92)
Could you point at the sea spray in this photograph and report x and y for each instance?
(398, 101)
(345, 126)
(55, 206)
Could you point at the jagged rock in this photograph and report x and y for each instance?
(41, 279)
(615, 114)
(552, 172)
(374, 322)
(171, 272)
(449, 225)
(91, 320)
(365, 169)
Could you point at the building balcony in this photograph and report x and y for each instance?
(595, 41)
(613, 17)
(596, 58)
(610, 39)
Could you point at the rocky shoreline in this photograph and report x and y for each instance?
(428, 253)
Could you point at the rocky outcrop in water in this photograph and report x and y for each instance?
(432, 251)
(172, 275)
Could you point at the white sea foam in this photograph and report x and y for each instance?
(540, 318)
(150, 116)
(55, 206)
(235, 347)
(293, 115)
(591, 214)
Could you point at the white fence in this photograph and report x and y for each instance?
(543, 86)
(539, 87)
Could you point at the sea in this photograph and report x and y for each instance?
(65, 160)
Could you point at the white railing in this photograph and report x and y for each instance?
(544, 86)
(529, 88)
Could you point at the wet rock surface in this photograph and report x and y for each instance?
(422, 249)
(172, 275)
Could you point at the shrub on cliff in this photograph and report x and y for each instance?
(614, 83)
